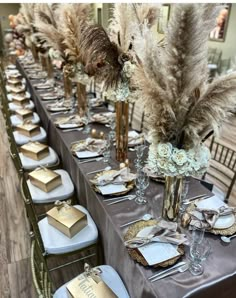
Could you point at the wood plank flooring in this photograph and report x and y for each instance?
(15, 273)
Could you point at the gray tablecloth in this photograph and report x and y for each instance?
(219, 277)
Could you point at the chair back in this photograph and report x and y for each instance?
(31, 213)
(223, 164)
(40, 273)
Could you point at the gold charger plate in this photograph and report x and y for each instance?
(129, 185)
(137, 256)
(222, 232)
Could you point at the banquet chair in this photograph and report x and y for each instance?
(43, 283)
(21, 139)
(54, 243)
(64, 191)
(16, 120)
(222, 166)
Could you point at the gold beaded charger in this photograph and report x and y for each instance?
(137, 256)
(129, 185)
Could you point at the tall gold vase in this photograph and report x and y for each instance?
(81, 98)
(43, 61)
(67, 86)
(35, 52)
(172, 197)
(49, 68)
(122, 127)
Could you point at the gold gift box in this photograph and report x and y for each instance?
(45, 179)
(35, 150)
(86, 287)
(28, 129)
(24, 114)
(20, 101)
(18, 90)
(15, 77)
(15, 83)
(67, 220)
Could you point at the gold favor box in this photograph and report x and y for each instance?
(15, 77)
(67, 220)
(24, 114)
(45, 179)
(35, 150)
(15, 83)
(28, 129)
(85, 287)
(20, 101)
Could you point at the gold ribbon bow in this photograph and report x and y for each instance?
(92, 272)
(61, 204)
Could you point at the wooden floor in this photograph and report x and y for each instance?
(15, 273)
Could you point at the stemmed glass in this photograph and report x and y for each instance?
(141, 182)
(112, 124)
(139, 153)
(86, 120)
(199, 251)
(185, 189)
(107, 150)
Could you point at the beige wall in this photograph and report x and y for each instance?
(228, 47)
(5, 10)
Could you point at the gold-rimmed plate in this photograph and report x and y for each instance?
(129, 185)
(134, 252)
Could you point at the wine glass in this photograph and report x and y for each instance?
(185, 189)
(199, 251)
(141, 182)
(107, 151)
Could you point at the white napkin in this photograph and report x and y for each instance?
(117, 177)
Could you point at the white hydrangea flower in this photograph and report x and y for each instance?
(128, 69)
(164, 149)
(179, 157)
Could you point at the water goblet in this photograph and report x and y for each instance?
(107, 151)
(185, 189)
(142, 182)
(140, 150)
(199, 251)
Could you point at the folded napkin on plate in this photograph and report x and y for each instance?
(74, 119)
(135, 137)
(163, 232)
(116, 177)
(103, 117)
(206, 218)
(90, 144)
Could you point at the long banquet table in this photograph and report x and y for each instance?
(219, 277)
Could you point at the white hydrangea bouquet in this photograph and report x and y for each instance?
(166, 160)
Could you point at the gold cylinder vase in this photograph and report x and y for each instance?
(67, 86)
(35, 52)
(172, 197)
(122, 127)
(49, 68)
(81, 98)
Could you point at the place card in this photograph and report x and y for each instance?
(112, 189)
(156, 252)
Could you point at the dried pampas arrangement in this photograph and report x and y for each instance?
(182, 107)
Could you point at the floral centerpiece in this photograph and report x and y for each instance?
(182, 107)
